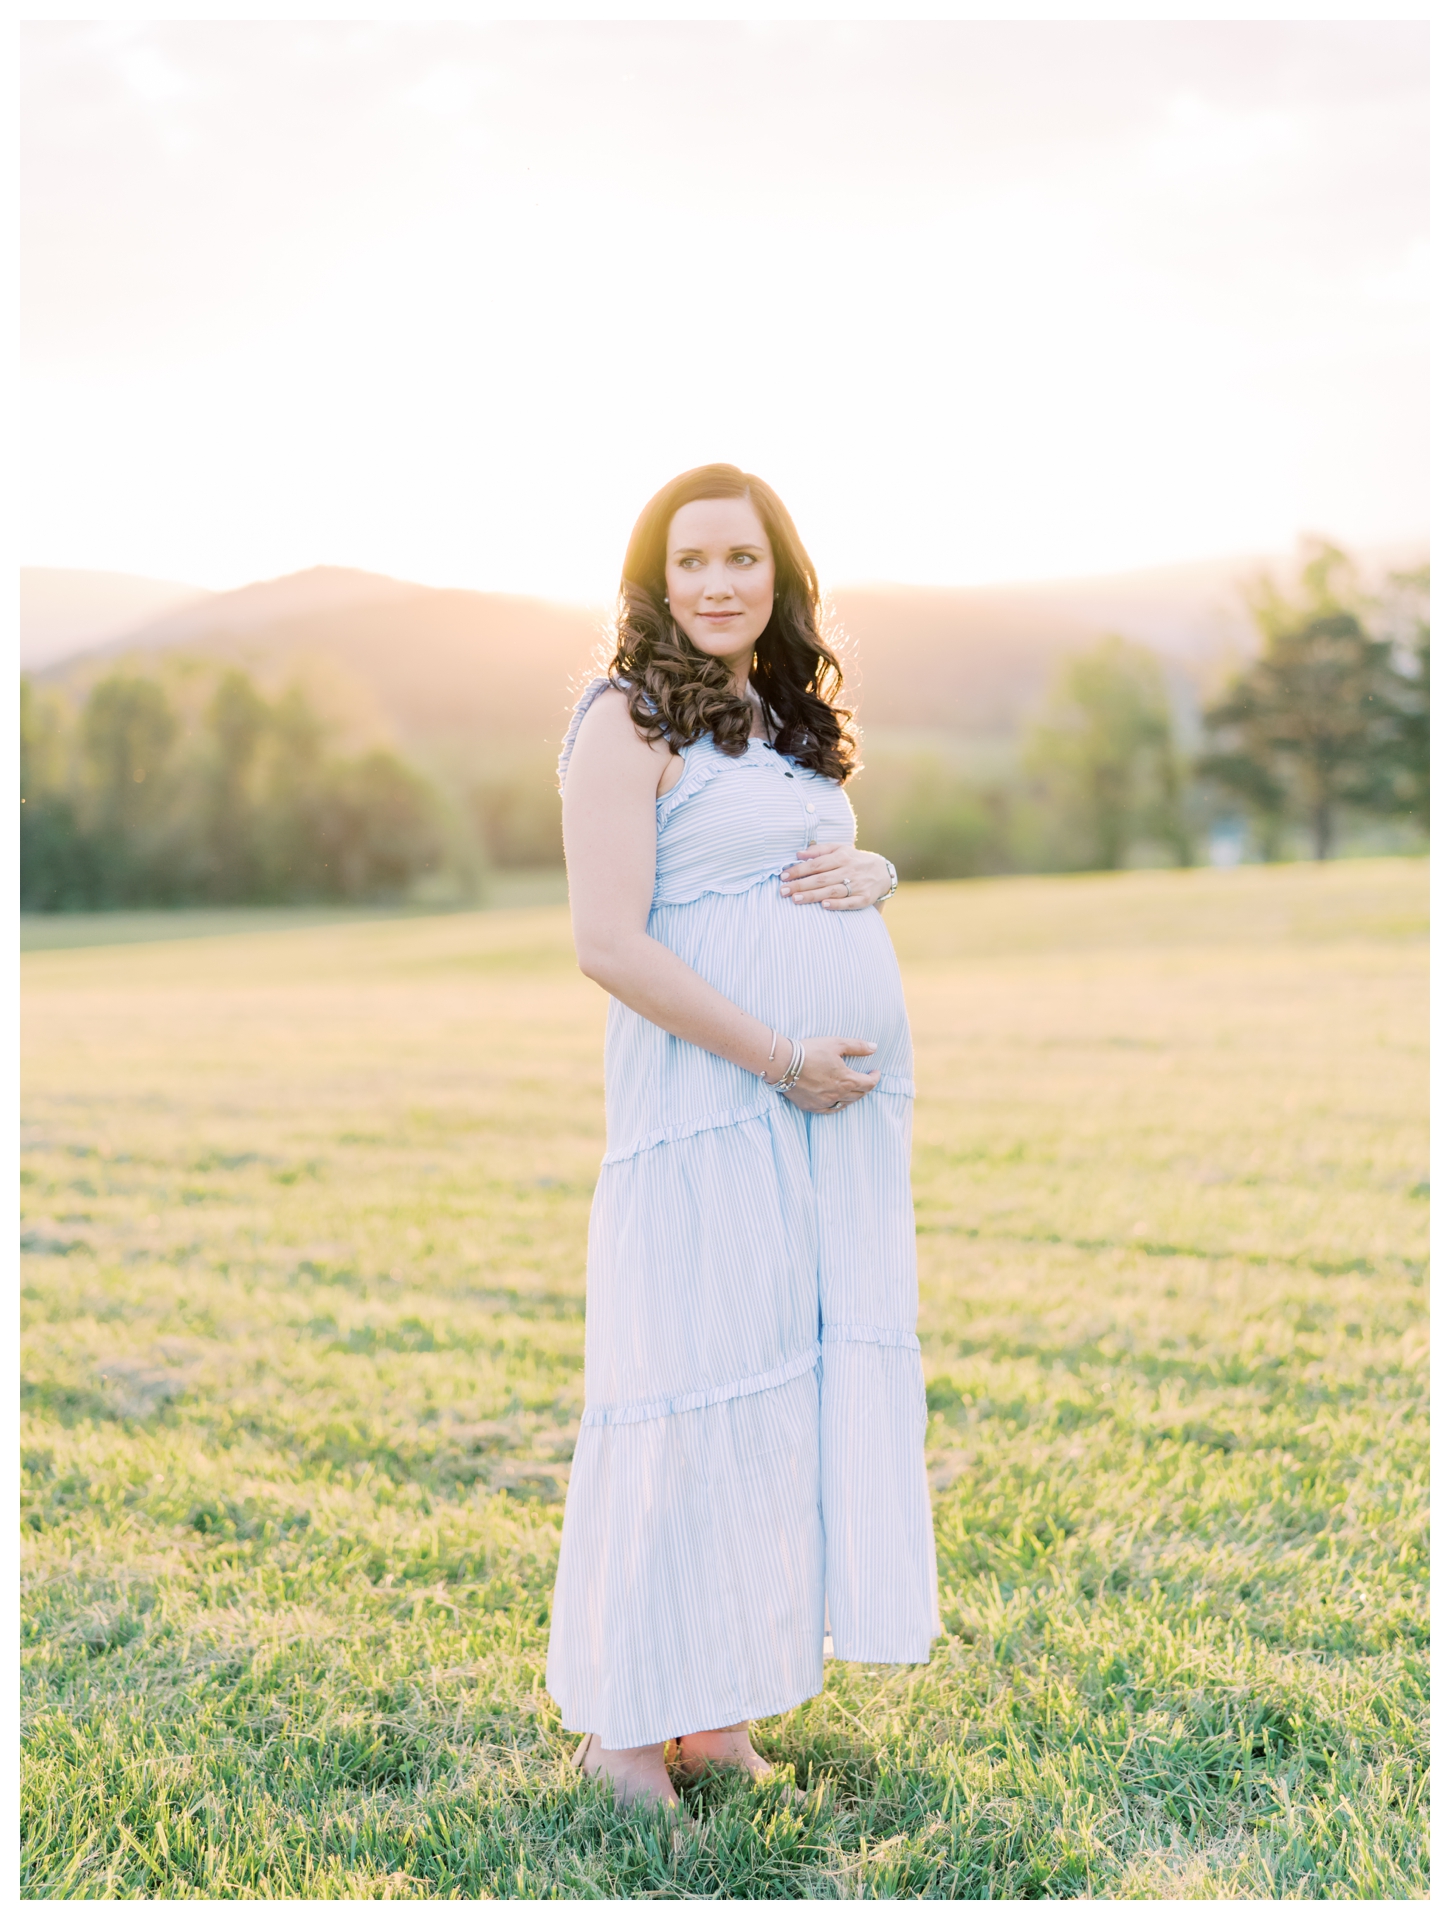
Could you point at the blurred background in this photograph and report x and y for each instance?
(1090, 358)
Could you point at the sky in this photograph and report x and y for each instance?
(983, 301)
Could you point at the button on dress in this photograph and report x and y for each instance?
(751, 1449)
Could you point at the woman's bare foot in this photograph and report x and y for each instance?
(637, 1773)
(722, 1747)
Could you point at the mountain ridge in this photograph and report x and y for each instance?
(69, 610)
(452, 670)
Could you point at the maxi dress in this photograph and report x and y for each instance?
(750, 1462)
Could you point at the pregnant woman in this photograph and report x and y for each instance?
(750, 1472)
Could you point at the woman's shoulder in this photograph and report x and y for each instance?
(604, 722)
(590, 697)
(607, 708)
(609, 694)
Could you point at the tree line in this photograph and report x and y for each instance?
(190, 785)
(125, 805)
(1328, 724)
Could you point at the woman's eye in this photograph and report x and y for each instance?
(743, 559)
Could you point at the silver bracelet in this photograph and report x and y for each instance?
(793, 1072)
(774, 1043)
(881, 902)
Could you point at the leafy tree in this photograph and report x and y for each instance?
(1106, 744)
(128, 729)
(339, 829)
(933, 819)
(41, 748)
(131, 808)
(381, 827)
(290, 833)
(127, 733)
(239, 720)
(56, 866)
(1309, 727)
(515, 814)
(1407, 784)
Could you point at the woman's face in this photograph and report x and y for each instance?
(720, 577)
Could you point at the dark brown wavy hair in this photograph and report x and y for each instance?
(677, 694)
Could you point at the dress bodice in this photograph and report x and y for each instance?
(730, 822)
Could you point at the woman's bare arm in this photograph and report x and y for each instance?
(609, 841)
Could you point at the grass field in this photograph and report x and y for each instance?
(305, 1215)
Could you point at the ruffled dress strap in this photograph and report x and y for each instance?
(703, 760)
(701, 770)
(585, 701)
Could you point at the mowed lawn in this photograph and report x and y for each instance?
(305, 1218)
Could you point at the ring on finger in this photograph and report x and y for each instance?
(846, 884)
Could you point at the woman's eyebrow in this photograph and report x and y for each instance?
(733, 546)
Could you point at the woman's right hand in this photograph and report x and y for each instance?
(826, 1082)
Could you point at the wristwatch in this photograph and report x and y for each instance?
(891, 889)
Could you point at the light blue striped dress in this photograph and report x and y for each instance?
(751, 1448)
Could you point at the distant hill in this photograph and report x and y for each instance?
(978, 659)
(65, 610)
(456, 675)
(439, 670)
(252, 609)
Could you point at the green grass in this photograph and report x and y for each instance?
(305, 1216)
(45, 932)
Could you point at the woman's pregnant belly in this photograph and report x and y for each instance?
(801, 969)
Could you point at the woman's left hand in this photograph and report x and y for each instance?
(837, 876)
